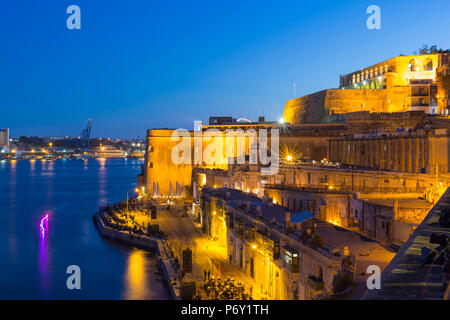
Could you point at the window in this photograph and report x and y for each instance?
(412, 65)
(428, 65)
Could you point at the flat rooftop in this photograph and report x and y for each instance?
(403, 203)
(405, 278)
(230, 194)
(366, 251)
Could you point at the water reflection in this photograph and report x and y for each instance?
(34, 262)
(102, 182)
(136, 281)
(12, 238)
(102, 163)
(32, 166)
(13, 164)
(43, 256)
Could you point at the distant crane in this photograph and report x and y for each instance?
(85, 135)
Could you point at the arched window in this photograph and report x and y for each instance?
(412, 65)
(376, 72)
(428, 65)
(354, 79)
(381, 70)
(358, 78)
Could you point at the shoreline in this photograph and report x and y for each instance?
(165, 264)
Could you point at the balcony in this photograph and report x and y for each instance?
(315, 283)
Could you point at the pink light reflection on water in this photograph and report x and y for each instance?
(44, 225)
(43, 256)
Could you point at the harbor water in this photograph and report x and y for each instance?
(37, 252)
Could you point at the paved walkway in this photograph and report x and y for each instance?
(181, 233)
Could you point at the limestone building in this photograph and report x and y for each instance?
(4, 138)
(403, 83)
(162, 176)
(404, 151)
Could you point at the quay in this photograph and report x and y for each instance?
(130, 232)
(178, 231)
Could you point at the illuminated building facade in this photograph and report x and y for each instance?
(400, 84)
(405, 151)
(162, 177)
(261, 240)
(386, 207)
(4, 140)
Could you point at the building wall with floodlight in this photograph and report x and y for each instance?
(399, 84)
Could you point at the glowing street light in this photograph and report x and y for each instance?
(282, 121)
(289, 158)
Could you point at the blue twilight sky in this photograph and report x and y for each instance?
(139, 64)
